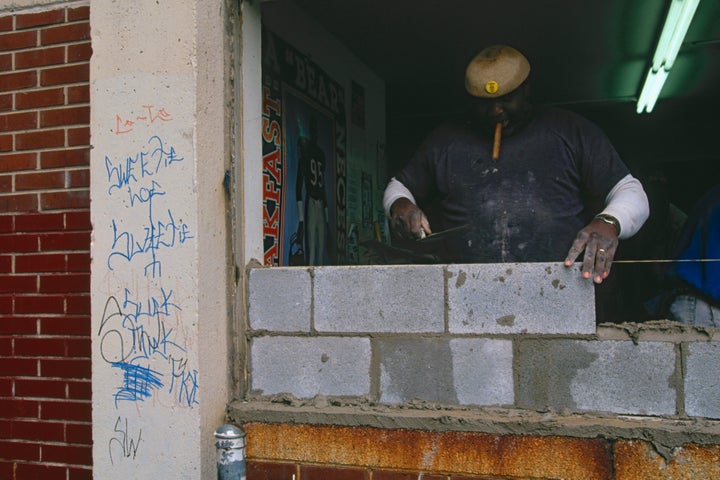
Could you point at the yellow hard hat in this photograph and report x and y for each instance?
(496, 71)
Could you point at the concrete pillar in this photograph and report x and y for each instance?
(160, 127)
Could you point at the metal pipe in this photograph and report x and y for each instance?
(230, 445)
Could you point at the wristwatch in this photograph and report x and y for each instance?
(609, 219)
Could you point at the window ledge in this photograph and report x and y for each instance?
(665, 433)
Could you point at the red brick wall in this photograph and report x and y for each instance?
(45, 404)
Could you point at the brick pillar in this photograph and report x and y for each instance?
(45, 407)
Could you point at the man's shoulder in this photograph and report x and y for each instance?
(565, 120)
(559, 114)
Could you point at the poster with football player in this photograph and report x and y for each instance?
(309, 149)
(304, 159)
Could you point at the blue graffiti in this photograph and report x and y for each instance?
(184, 382)
(165, 233)
(163, 158)
(129, 335)
(133, 333)
(136, 336)
(147, 343)
(144, 194)
(143, 164)
(139, 382)
(153, 307)
(160, 234)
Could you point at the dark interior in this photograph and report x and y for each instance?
(590, 57)
(587, 56)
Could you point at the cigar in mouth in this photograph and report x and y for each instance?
(496, 141)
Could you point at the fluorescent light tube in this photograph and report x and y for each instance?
(668, 31)
(676, 26)
(671, 38)
(650, 92)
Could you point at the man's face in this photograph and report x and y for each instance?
(512, 110)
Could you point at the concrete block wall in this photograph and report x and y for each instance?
(506, 335)
(45, 391)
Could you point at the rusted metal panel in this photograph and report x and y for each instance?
(462, 453)
(638, 460)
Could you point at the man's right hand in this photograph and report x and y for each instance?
(407, 220)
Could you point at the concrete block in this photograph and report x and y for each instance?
(519, 298)
(605, 376)
(483, 371)
(450, 371)
(397, 299)
(310, 366)
(416, 369)
(702, 380)
(279, 299)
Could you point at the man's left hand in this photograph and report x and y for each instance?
(600, 241)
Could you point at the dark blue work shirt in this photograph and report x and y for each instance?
(552, 176)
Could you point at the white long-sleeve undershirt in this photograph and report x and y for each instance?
(628, 203)
(395, 190)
